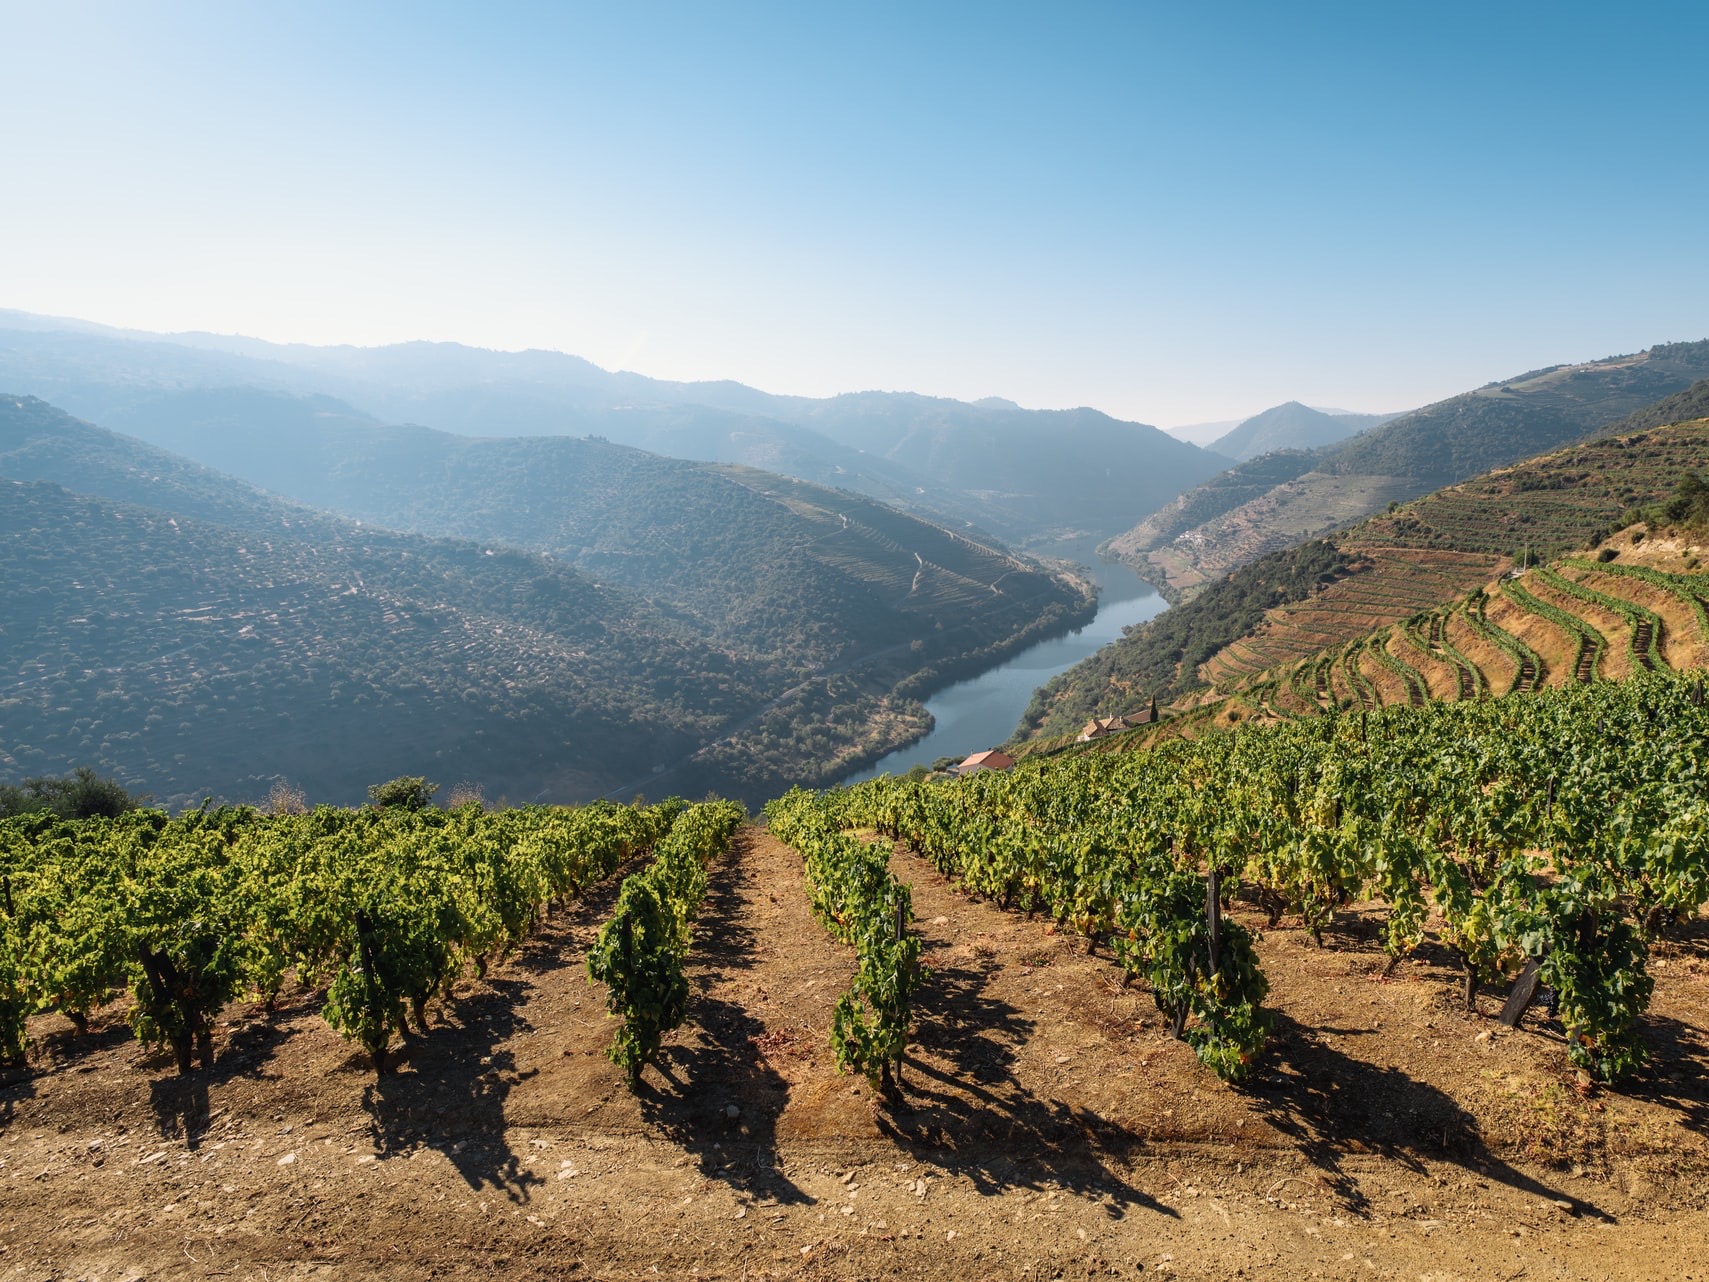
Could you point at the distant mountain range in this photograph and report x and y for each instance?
(1289, 426)
(547, 617)
(1272, 502)
(1030, 477)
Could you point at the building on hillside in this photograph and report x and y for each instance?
(1098, 727)
(992, 760)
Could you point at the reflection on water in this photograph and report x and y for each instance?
(984, 711)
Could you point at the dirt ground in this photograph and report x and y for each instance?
(1053, 1129)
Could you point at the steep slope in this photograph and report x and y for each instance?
(1640, 603)
(1292, 426)
(185, 656)
(1027, 476)
(802, 624)
(1161, 547)
(1438, 445)
(1300, 603)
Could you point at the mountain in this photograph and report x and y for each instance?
(1202, 434)
(1027, 476)
(746, 630)
(254, 639)
(1303, 602)
(757, 562)
(1490, 427)
(1292, 426)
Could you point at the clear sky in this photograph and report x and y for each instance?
(1173, 212)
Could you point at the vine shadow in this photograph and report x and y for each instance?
(462, 1073)
(1331, 1106)
(179, 1102)
(974, 1117)
(462, 1070)
(17, 1084)
(1676, 1073)
(721, 1060)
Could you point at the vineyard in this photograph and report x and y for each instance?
(1049, 1120)
(1542, 841)
(1446, 957)
(385, 908)
(1635, 604)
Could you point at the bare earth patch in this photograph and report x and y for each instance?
(1054, 1129)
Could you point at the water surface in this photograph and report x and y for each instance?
(983, 711)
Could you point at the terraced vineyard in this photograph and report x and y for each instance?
(1412, 559)
(1578, 619)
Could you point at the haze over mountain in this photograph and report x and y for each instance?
(1292, 426)
(1027, 476)
(726, 627)
(1273, 502)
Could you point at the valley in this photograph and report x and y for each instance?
(831, 644)
(713, 623)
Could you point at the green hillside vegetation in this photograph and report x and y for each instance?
(1638, 603)
(776, 629)
(178, 655)
(1438, 445)
(1405, 562)
(766, 567)
(1692, 403)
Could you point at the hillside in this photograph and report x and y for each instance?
(1638, 603)
(1438, 445)
(184, 656)
(1029, 477)
(1420, 555)
(759, 564)
(1291, 426)
(746, 630)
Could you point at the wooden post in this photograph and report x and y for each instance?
(1523, 994)
(1213, 918)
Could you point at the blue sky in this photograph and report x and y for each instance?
(1171, 212)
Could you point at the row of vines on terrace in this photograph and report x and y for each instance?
(1553, 835)
(385, 908)
(640, 953)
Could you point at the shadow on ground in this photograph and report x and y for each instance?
(965, 1111)
(462, 1069)
(1676, 1075)
(464, 1074)
(719, 1061)
(180, 1101)
(1331, 1106)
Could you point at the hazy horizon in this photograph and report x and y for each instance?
(1173, 217)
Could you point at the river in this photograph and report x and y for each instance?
(983, 711)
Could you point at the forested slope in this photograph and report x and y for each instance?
(185, 656)
(746, 631)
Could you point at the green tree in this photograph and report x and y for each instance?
(406, 792)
